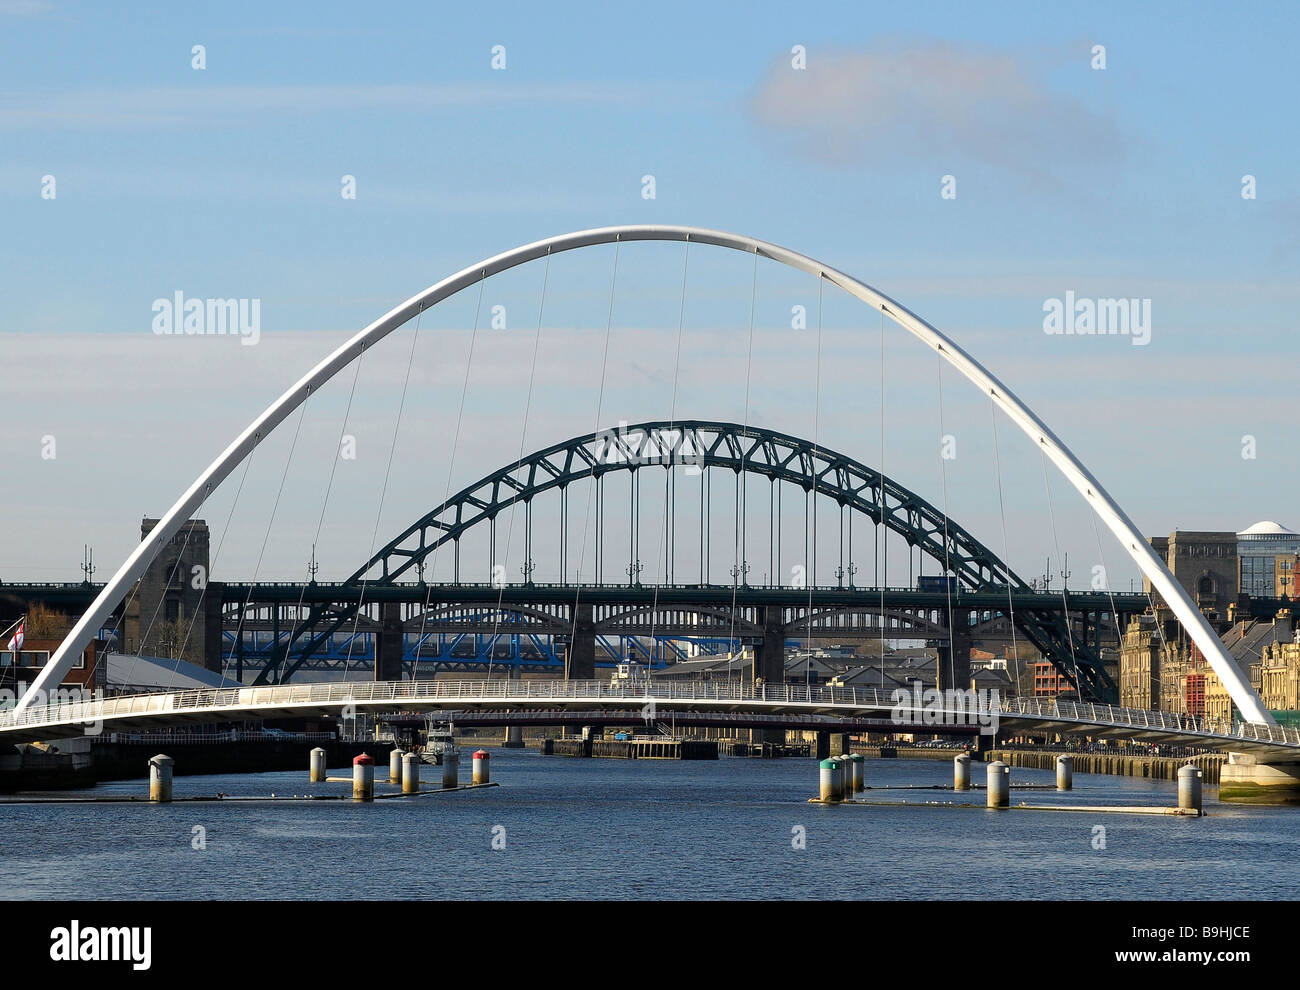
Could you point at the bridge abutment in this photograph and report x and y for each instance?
(1244, 780)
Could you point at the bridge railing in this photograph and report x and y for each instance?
(507, 691)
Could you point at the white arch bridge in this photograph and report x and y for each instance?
(1095, 496)
(504, 701)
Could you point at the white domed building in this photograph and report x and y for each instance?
(1268, 553)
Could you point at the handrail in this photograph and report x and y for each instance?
(834, 700)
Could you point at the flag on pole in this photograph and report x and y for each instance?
(16, 641)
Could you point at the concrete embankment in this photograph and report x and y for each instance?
(633, 749)
(1155, 767)
(126, 761)
(890, 752)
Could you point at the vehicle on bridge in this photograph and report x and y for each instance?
(630, 674)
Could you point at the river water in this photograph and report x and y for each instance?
(641, 829)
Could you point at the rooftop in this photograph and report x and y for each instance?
(1268, 528)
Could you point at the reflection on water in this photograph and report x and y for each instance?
(646, 829)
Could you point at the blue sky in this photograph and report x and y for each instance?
(226, 182)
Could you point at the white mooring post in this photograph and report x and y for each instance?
(961, 773)
(1189, 788)
(160, 778)
(855, 780)
(395, 765)
(410, 773)
(1064, 773)
(999, 784)
(317, 765)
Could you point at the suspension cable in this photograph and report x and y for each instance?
(817, 409)
(270, 522)
(664, 537)
(451, 467)
(738, 576)
(593, 479)
(947, 565)
(1002, 509)
(514, 499)
(379, 512)
(1065, 600)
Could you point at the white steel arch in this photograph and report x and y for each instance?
(1243, 695)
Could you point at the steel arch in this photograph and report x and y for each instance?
(1243, 695)
(704, 444)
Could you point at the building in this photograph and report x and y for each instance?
(1259, 549)
(175, 611)
(1139, 664)
(1205, 563)
(1285, 571)
(1048, 681)
(24, 666)
(1280, 675)
(1160, 669)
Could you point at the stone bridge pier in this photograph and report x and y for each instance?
(1244, 779)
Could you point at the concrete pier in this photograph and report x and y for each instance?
(855, 779)
(160, 778)
(450, 770)
(1242, 779)
(514, 737)
(1189, 789)
(961, 773)
(999, 784)
(831, 781)
(363, 778)
(1064, 773)
(1121, 764)
(395, 766)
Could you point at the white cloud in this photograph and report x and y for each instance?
(942, 102)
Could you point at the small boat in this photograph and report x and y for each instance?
(440, 740)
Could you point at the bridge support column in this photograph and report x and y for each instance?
(212, 605)
(582, 646)
(822, 749)
(769, 665)
(954, 654)
(388, 644)
(839, 744)
(1243, 780)
(514, 737)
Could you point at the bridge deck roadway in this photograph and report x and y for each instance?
(796, 705)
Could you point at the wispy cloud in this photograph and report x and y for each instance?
(25, 8)
(182, 105)
(942, 102)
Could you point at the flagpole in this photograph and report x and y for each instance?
(15, 625)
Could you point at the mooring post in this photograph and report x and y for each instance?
(160, 778)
